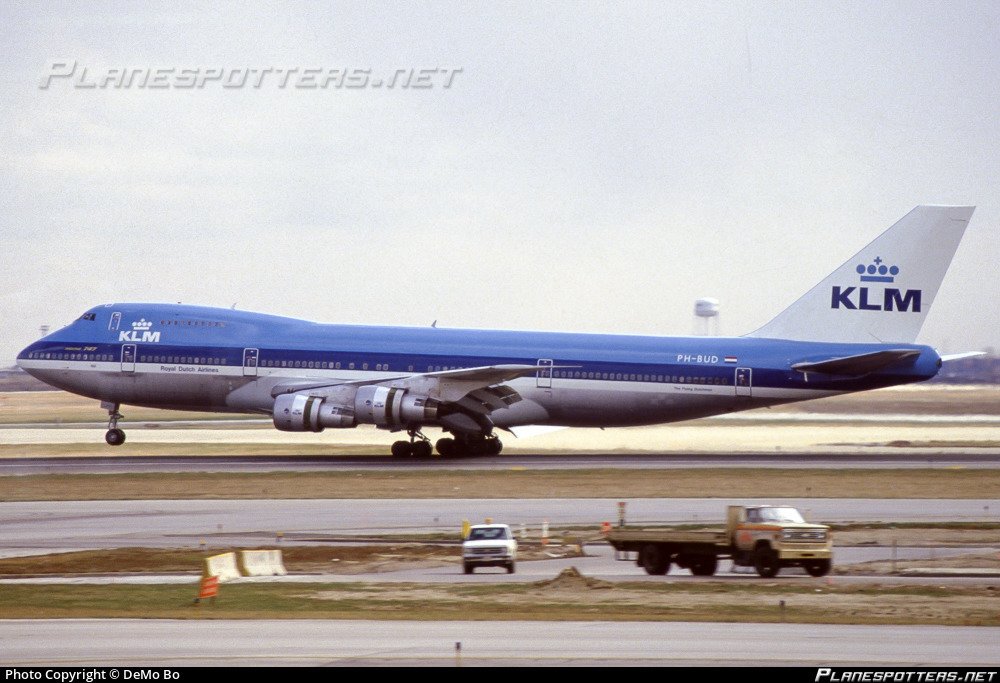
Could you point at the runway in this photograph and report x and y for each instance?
(163, 643)
(106, 464)
(762, 438)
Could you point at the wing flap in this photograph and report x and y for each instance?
(445, 385)
(450, 386)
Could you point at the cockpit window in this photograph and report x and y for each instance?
(88, 316)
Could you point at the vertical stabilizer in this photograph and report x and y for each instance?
(884, 292)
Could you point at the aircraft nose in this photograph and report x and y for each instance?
(23, 355)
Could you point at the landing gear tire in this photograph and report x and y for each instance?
(114, 436)
(419, 446)
(468, 447)
(818, 568)
(765, 561)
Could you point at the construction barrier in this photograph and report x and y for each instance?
(262, 563)
(222, 566)
(209, 588)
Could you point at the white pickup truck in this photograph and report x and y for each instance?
(489, 545)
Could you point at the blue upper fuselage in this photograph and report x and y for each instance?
(168, 332)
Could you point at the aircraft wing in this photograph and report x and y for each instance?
(446, 385)
(855, 366)
(475, 392)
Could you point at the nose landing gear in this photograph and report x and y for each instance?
(115, 436)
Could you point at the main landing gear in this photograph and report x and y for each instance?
(115, 436)
(461, 446)
(419, 446)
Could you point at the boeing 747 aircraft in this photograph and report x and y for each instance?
(854, 331)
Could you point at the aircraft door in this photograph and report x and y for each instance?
(544, 374)
(128, 357)
(743, 381)
(249, 362)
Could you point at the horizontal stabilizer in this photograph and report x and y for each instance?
(855, 366)
(959, 356)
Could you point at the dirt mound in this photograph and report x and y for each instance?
(572, 579)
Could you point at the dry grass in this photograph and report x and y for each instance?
(324, 559)
(568, 597)
(598, 483)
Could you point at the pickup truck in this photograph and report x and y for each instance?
(765, 537)
(489, 545)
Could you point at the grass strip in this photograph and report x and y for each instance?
(549, 601)
(513, 483)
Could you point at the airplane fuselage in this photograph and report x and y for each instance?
(198, 358)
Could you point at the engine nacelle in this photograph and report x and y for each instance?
(381, 406)
(304, 413)
(387, 407)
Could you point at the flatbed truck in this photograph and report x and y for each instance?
(765, 537)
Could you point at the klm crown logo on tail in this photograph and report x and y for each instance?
(868, 299)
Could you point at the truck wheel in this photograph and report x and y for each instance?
(818, 568)
(654, 560)
(705, 566)
(765, 561)
(510, 567)
(468, 568)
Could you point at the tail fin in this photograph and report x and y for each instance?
(883, 293)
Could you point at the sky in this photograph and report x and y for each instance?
(570, 166)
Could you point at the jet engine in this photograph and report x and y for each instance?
(382, 406)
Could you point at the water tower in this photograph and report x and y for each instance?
(706, 313)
